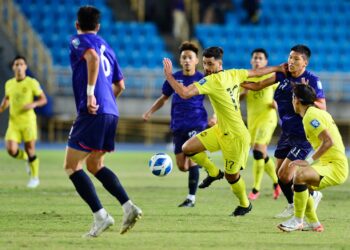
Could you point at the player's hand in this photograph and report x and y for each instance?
(305, 82)
(146, 116)
(300, 163)
(168, 67)
(29, 106)
(284, 68)
(91, 104)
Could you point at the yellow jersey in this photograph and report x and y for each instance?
(259, 102)
(223, 90)
(315, 121)
(19, 94)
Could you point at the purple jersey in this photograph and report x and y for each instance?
(109, 72)
(290, 121)
(186, 114)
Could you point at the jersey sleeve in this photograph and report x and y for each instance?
(204, 85)
(280, 77)
(117, 72)
(317, 85)
(79, 45)
(314, 125)
(167, 90)
(7, 88)
(240, 75)
(37, 90)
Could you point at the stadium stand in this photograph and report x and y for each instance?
(297, 22)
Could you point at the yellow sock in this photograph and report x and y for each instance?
(258, 171)
(270, 169)
(300, 201)
(238, 189)
(34, 168)
(310, 211)
(22, 155)
(203, 160)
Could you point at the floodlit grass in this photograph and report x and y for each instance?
(53, 216)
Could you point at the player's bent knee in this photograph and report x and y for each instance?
(12, 152)
(299, 176)
(258, 155)
(232, 178)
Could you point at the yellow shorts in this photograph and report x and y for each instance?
(261, 131)
(334, 173)
(26, 133)
(235, 149)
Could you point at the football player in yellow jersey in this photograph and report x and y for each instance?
(230, 134)
(20, 92)
(262, 121)
(328, 166)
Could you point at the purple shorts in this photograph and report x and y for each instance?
(93, 133)
(292, 147)
(180, 137)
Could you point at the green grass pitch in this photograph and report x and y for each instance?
(53, 216)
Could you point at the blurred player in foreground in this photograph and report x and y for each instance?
(262, 121)
(327, 166)
(97, 80)
(230, 134)
(188, 117)
(292, 144)
(22, 95)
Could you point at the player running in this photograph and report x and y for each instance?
(22, 95)
(230, 134)
(188, 117)
(262, 121)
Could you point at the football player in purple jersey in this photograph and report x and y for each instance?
(97, 80)
(292, 144)
(188, 117)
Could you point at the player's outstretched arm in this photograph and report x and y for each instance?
(155, 106)
(183, 91)
(267, 70)
(4, 104)
(259, 85)
(118, 88)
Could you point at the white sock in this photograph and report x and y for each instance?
(100, 214)
(191, 197)
(127, 205)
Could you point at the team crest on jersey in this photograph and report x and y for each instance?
(202, 81)
(76, 42)
(315, 123)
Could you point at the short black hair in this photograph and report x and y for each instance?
(216, 52)
(188, 46)
(260, 50)
(88, 17)
(302, 49)
(305, 93)
(17, 57)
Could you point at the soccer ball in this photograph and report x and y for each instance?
(160, 164)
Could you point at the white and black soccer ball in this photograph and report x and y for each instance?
(160, 164)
